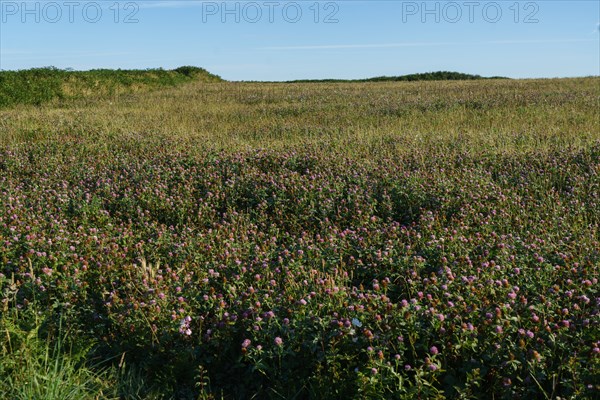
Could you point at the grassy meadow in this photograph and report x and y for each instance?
(329, 240)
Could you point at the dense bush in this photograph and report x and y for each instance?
(431, 76)
(426, 76)
(41, 85)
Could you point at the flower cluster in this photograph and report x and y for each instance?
(302, 268)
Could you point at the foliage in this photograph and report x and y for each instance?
(286, 264)
(426, 76)
(431, 76)
(41, 85)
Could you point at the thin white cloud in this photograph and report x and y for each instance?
(13, 52)
(30, 56)
(170, 4)
(539, 41)
(417, 44)
(357, 46)
(237, 67)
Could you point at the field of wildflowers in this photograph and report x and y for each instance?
(437, 240)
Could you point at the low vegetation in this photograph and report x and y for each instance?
(40, 85)
(427, 76)
(351, 240)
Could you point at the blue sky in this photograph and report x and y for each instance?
(282, 40)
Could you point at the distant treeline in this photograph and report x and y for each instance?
(40, 85)
(426, 76)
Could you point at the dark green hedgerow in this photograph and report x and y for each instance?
(41, 85)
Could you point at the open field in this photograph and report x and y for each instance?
(385, 240)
